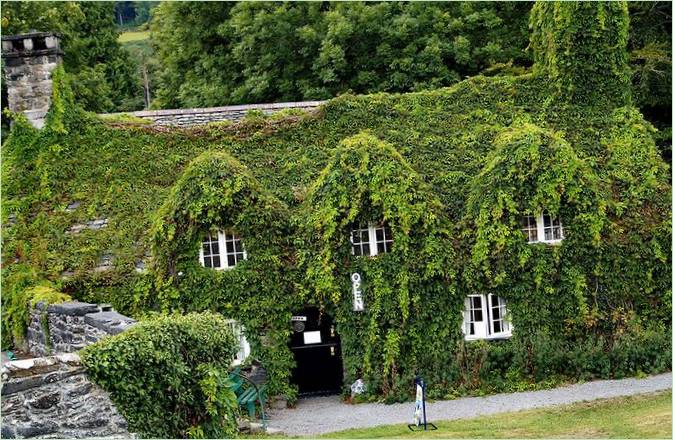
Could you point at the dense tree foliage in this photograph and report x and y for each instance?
(261, 51)
(650, 50)
(225, 53)
(104, 76)
(132, 13)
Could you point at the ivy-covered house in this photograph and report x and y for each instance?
(511, 229)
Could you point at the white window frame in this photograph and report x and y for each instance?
(222, 238)
(373, 243)
(540, 228)
(483, 329)
(243, 347)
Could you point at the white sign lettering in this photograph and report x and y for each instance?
(358, 302)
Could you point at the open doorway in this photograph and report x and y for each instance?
(317, 352)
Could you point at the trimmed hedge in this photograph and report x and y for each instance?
(168, 375)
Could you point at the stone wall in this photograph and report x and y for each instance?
(70, 326)
(53, 398)
(199, 116)
(29, 61)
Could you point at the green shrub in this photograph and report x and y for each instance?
(168, 375)
(541, 360)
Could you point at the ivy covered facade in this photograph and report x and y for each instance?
(510, 230)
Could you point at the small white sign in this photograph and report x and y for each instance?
(299, 318)
(312, 337)
(358, 301)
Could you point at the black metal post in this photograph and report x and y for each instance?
(425, 418)
(420, 382)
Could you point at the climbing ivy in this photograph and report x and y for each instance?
(217, 192)
(451, 171)
(368, 181)
(582, 47)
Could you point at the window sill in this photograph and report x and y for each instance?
(489, 338)
(549, 242)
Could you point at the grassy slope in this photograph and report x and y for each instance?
(125, 37)
(647, 416)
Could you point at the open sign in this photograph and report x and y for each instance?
(358, 302)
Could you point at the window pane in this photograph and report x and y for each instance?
(380, 234)
(365, 249)
(477, 313)
(216, 261)
(207, 262)
(230, 246)
(497, 327)
(532, 235)
(357, 250)
(529, 228)
(231, 260)
(384, 239)
(547, 220)
(548, 234)
(238, 246)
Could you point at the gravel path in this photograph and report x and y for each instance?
(318, 415)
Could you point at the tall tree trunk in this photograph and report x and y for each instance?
(146, 87)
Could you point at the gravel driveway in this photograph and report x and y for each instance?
(318, 415)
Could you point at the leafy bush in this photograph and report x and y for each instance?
(531, 361)
(170, 365)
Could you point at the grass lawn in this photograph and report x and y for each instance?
(126, 37)
(645, 416)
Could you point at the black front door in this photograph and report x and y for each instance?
(317, 351)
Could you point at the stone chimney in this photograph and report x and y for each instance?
(29, 61)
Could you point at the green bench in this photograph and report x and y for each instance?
(247, 396)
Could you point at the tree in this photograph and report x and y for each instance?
(103, 75)
(214, 54)
(650, 49)
(191, 42)
(132, 13)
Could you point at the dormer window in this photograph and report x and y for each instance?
(371, 240)
(543, 228)
(221, 250)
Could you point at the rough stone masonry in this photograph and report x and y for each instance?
(30, 60)
(71, 326)
(52, 396)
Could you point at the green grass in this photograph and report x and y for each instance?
(125, 37)
(646, 416)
